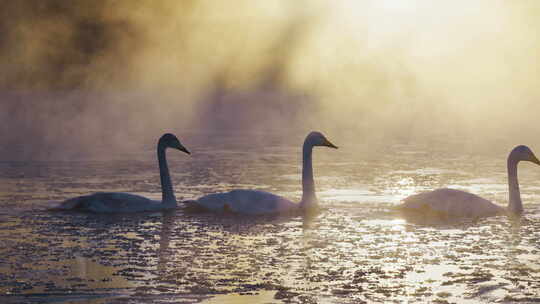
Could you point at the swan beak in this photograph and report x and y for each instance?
(329, 144)
(183, 149)
(535, 160)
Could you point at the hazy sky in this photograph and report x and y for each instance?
(80, 74)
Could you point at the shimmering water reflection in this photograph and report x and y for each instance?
(357, 249)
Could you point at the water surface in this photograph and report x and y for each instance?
(357, 249)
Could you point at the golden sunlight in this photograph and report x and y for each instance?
(432, 104)
(398, 6)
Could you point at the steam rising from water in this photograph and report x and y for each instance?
(80, 76)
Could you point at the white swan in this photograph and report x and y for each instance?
(254, 202)
(455, 203)
(118, 202)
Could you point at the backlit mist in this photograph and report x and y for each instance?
(432, 103)
(77, 76)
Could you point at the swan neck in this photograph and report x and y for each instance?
(308, 185)
(166, 185)
(514, 198)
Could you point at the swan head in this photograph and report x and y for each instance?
(168, 140)
(317, 139)
(523, 153)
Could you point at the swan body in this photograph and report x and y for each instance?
(450, 202)
(244, 201)
(456, 203)
(255, 202)
(113, 202)
(119, 202)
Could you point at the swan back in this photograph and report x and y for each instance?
(112, 202)
(450, 203)
(245, 202)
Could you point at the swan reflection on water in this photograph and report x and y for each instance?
(356, 248)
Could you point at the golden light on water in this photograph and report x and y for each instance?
(417, 94)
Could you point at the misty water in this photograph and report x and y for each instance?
(356, 249)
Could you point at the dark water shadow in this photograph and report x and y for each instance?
(239, 223)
